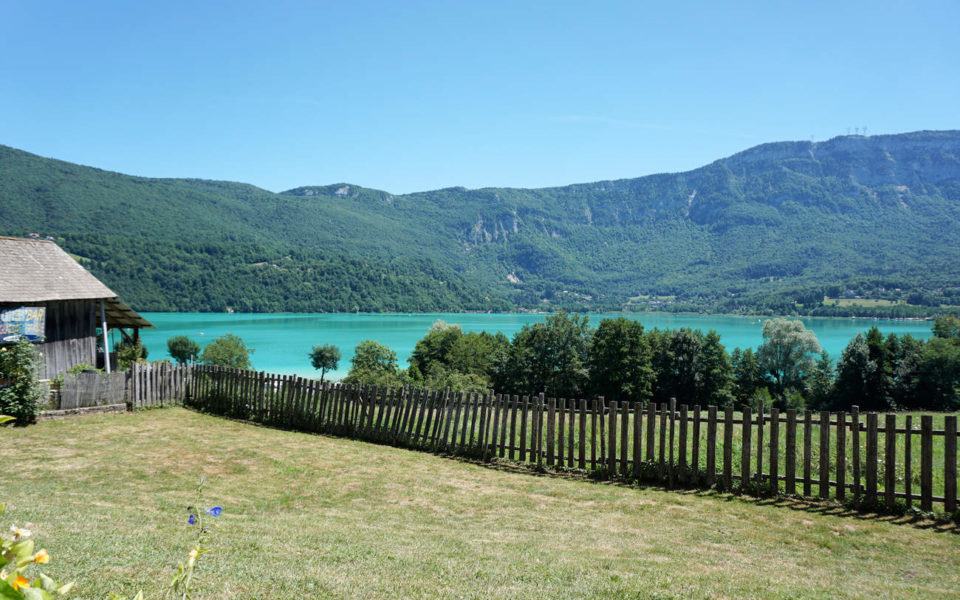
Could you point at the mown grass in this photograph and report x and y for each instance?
(309, 516)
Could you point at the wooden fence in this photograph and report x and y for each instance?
(144, 385)
(89, 389)
(157, 384)
(869, 458)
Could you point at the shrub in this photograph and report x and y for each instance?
(183, 349)
(227, 351)
(129, 353)
(20, 392)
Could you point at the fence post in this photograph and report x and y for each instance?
(926, 463)
(746, 426)
(774, 451)
(950, 464)
(890, 470)
(790, 464)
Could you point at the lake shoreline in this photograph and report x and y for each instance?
(282, 341)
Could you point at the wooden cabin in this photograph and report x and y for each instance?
(58, 305)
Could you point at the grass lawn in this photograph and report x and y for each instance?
(308, 516)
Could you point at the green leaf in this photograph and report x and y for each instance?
(8, 593)
(65, 589)
(32, 593)
(20, 551)
(45, 583)
(5, 419)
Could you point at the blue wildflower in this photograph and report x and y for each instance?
(192, 519)
(215, 511)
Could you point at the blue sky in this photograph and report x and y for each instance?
(409, 96)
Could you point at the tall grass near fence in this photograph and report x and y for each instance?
(873, 460)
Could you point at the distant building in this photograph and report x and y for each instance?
(55, 302)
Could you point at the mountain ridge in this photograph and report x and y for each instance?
(761, 229)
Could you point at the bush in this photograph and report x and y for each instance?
(129, 353)
(20, 393)
(227, 351)
(183, 349)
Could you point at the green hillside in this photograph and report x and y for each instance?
(774, 228)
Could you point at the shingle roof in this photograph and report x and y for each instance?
(40, 271)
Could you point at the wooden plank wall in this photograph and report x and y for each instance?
(755, 451)
(70, 332)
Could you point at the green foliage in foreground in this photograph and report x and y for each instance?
(20, 394)
(348, 519)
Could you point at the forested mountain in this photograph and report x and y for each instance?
(774, 228)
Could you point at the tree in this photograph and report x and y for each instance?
(821, 382)
(714, 373)
(550, 357)
(938, 374)
(227, 351)
(325, 358)
(619, 362)
(854, 372)
(435, 346)
(947, 327)
(788, 354)
(182, 349)
(747, 378)
(373, 363)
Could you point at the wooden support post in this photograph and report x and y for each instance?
(728, 449)
(637, 438)
(525, 404)
(790, 453)
(582, 450)
(908, 461)
(662, 459)
(593, 434)
(855, 446)
(695, 448)
(871, 492)
(774, 451)
(551, 430)
(890, 460)
(807, 451)
(711, 445)
(824, 461)
(950, 464)
(651, 425)
(760, 421)
(624, 437)
(841, 455)
(612, 440)
(514, 404)
(683, 444)
(747, 426)
(926, 463)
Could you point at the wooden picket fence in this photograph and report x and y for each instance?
(157, 384)
(869, 458)
(90, 389)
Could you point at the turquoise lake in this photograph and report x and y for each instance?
(282, 341)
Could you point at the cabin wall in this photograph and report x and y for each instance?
(71, 335)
